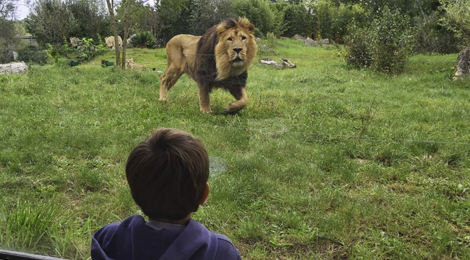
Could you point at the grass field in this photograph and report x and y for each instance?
(325, 162)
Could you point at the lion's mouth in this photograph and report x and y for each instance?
(237, 60)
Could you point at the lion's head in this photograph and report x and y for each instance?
(236, 47)
(129, 63)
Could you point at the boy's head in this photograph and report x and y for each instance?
(167, 174)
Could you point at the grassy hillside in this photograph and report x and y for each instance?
(325, 162)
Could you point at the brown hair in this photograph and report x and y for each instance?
(167, 174)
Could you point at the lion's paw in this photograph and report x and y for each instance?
(163, 99)
(206, 111)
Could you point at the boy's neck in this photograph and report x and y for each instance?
(183, 221)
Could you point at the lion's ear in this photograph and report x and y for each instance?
(251, 28)
(246, 23)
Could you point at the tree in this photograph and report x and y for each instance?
(8, 29)
(457, 18)
(50, 21)
(91, 19)
(172, 20)
(110, 4)
(129, 13)
(207, 13)
(258, 12)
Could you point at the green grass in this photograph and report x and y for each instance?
(325, 162)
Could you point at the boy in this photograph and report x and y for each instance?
(167, 175)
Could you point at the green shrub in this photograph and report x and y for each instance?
(392, 42)
(33, 55)
(258, 33)
(432, 38)
(88, 50)
(143, 40)
(384, 46)
(58, 51)
(270, 40)
(357, 52)
(5, 56)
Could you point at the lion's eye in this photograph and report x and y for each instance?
(229, 39)
(243, 38)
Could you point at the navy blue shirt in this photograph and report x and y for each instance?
(136, 239)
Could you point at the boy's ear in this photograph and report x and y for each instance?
(205, 194)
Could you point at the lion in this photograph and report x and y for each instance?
(110, 42)
(218, 59)
(131, 65)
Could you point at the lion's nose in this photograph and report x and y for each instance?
(237, 50)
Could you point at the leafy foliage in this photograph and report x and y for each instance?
(143, 40)
(88, 50)
(384, 46)
(50, 21)
(357, 52)
(33, 55)
(431, 37)
(457, 18)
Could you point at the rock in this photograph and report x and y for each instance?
(325, 41)
(298, 37)
(14, 68)
(310, 42)
(463, 64)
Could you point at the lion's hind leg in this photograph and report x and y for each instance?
(168, 80)
(176, 63)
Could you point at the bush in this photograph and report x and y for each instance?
(57, 51)
(88, 50)
(33, 55)
(143, 40)
(384, 46)
(392, 41)
(5, 56)
(357, 52)
(431, 38)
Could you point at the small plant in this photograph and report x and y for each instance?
(88, 50)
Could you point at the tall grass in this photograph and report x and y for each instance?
(325, 162)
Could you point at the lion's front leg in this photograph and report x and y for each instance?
(242, 100)
(204, 100)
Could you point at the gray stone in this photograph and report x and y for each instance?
(463, 64)
(14, 68)
(298, 37)
(325, 41)
(310, 42)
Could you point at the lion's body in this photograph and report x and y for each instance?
(218, 59)
(110, 42)
(133, 66)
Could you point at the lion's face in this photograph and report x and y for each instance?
(129, 62)
(235, 44)
(236, 48)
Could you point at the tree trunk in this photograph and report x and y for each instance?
(116, 41)
(126, 33)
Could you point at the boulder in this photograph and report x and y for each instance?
(298, 37)
(310, 42)
(463, 64)
(325, 41)
(14, 68)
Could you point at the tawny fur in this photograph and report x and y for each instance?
(110, 42)
(218, 59)
(133, 66)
